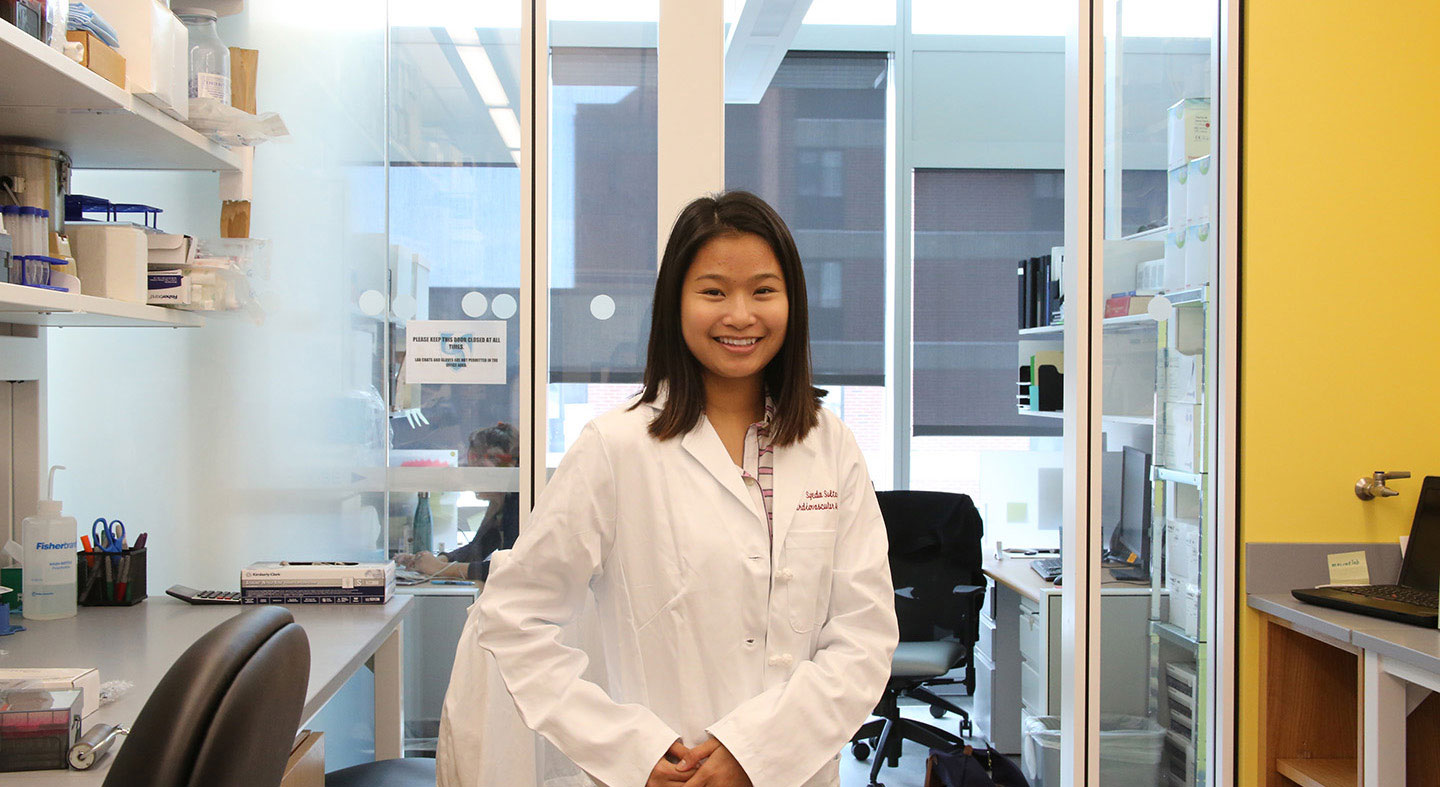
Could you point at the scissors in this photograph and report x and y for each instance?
(109, 536)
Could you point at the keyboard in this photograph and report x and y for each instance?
(1390, 602)
(1047, 567)
(1400, 593)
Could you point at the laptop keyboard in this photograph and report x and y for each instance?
(1420, 598)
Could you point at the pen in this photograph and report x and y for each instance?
(86, 541)
(140, 542)
(109, 578)
(124, 578)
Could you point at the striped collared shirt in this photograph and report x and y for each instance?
(759, 468)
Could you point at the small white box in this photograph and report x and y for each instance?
(1182, 551)
(1189, 126)
(1198, 250)
(169, 250)
(1181, 379)
(86, 680)
(1177, 191)
(1150, 277)
(1182, 443)
(1174, 260)
(1183, 611)
(1198, 187)
(155, 45)
(110, 259)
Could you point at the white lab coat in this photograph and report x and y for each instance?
(779, 653)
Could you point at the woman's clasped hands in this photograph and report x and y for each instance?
(708, 765)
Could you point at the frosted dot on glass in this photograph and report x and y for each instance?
(602, 307)
(1160, 308)
(372, 302)
(404, 306)
(504, 306)
(473, 304)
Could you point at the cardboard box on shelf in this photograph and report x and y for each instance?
(1176, 193)
(110, 259)
(1198, 250)
(170, 250)
(1180, 380)
(1174, 259)
(155, 45)
(99, 57)
(1198, 185)
(1183, 611)
(1182, 444)
(1189, 126)
(1182, 550)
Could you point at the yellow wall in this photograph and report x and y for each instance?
(1340, 349)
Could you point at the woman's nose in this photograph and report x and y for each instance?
(739, 314)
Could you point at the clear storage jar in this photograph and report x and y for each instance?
(209, 57)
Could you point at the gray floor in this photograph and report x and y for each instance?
(911, 773)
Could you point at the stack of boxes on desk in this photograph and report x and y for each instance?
(1188, 243)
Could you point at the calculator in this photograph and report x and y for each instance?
(193, 596)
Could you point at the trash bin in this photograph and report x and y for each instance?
(1130, 748)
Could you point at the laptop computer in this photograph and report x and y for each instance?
(1416, 600)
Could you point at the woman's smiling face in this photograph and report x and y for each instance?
(733, 306)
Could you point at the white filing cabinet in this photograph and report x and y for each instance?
(1017, 662)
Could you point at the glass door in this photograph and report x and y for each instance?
(1158, 530)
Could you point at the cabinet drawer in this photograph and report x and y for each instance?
(984, 689)
(1032, 689)
(986, 643)
(1032, 639)
(987, 610)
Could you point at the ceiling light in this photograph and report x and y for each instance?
(482, 74)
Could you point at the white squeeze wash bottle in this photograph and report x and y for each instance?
(49, 541)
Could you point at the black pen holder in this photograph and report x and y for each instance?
(111, 579)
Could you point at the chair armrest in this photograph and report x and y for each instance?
(968, 600)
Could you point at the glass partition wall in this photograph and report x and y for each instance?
(1015, 288)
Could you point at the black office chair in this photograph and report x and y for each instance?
(935, 563)
(226, 712)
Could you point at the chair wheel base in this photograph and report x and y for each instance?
(860, 750)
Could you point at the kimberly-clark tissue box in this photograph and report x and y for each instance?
(1189, 124)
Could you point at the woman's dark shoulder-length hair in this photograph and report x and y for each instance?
(669, 364)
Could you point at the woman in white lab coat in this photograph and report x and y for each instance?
(746, 634)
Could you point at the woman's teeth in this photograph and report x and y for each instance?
(736, 342)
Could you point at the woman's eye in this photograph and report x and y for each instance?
(711, 292)
(766, 291)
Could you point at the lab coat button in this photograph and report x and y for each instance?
(784, 575)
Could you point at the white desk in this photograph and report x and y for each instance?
(1017, 660)
(138, 644)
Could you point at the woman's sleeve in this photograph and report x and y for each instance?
(542, 587)
(784, 735)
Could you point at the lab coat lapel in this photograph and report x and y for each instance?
(703, 443)
(792, 469)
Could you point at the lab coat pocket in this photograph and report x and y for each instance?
(809, 563)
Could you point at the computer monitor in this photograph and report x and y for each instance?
(1132, 533)
(1421, 567)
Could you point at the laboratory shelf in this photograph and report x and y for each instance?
(47, 99)
(1136, 420)
(1173, 634)
(1153, 234)
(409, 480)
(1179, 477)
(1130, 322)
(21, 305)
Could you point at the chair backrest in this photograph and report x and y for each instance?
(226, 712)
(934, 546)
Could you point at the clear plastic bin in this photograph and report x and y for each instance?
(1130, 748)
